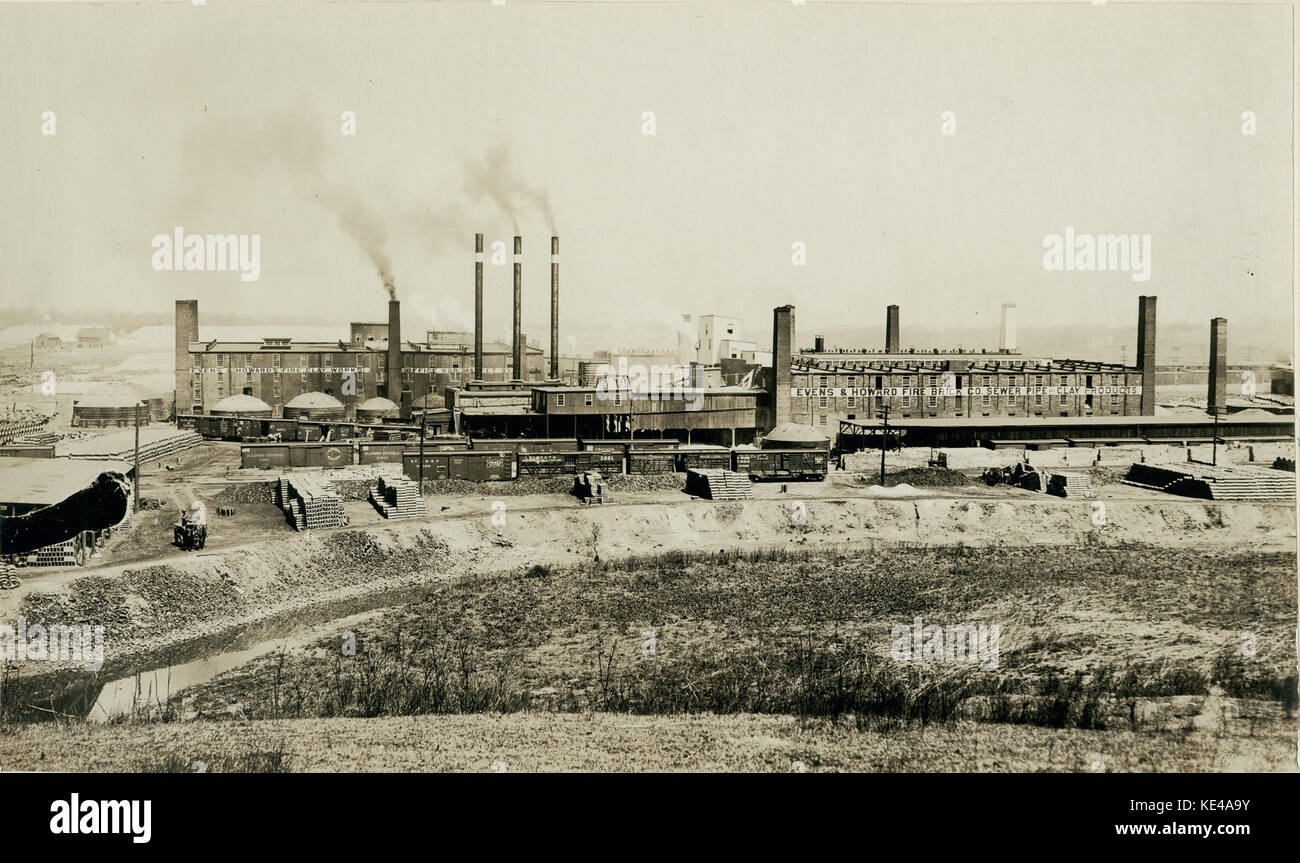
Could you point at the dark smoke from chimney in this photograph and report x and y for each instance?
(494, 178)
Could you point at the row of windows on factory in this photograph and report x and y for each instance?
(346, 361)
(934, 381)
(587, 399)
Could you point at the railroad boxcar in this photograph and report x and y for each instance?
(473, 465)
(643, 462)
(703, 459)
(787, 464)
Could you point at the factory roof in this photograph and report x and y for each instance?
(49, 480)
(239, 403)
(314, 400)
(378, 403)
(343, 346)
(795, 433)
(108, 400)
(1189, 418)
(497, 410)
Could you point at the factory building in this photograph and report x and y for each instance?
(826, 387)
(373, 362)
(278, 370)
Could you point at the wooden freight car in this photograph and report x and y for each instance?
(475, 465)
(660, 460)
(776, 464)
(703, 459)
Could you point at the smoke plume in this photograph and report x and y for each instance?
(493, 178)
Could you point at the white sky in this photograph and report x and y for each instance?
(775, 123)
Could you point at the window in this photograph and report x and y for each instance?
(823, 419)
(197, 385)
(986, 400)
(327, 360)
(618, 398)
(221, 361)
(823, 401)
(1064, 399)
(933, 400)
(587, 399)
(559, 400)
(1114, 381)
(1038, 397)
(906, 383)
(275, 361)
(853, 401)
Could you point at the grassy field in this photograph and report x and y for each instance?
(1141, 658)
(1109, 640)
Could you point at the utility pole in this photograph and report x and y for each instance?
(884, 441)
(137, 457)
(1214, 448)
(423, 420)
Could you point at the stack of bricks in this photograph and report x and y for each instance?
(718, 484)
(121, 446)
(398, 497)
(308, 505)
(37, 439)
(59, 554)
(14, 426)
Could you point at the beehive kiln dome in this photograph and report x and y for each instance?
(795, 436)
(378, 403)
(314, 401)
(240, 404)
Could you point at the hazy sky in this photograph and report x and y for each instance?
(774, 124)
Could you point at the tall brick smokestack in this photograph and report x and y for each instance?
(393, 367)
(187, 332)
(782, 348)
(478, 307)
(516, 343)
(555, 308)
(1217, 396)
(1146, 353)
(891, 329)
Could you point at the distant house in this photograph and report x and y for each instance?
(92, 337)
(47, 342)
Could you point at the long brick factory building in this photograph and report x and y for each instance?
(494, 389)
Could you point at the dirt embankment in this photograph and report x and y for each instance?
(181, 608)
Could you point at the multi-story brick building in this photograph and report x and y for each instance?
(827, 387)
(363, 367)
